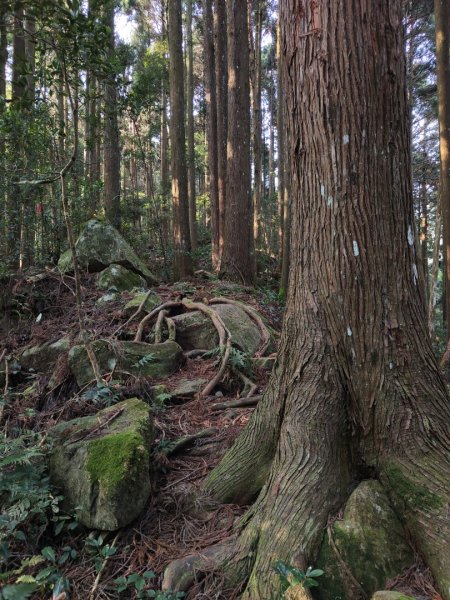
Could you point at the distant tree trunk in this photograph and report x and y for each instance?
(282, 222)
(238, 261)
(221, 58)
(3, 61)
(255, 89)
(357, 391)
(18, 102)
(442, 17)
(111, 147)
(190, 126)
(424, 231)
(182, 245)
(211, 120)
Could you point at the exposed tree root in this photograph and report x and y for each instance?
(159, 321)
(265, 334)
(148, 318)
(135, 314)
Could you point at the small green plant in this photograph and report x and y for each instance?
(145, 360)
(241, 361)
(159, 402)
(102, 395)
(291, 576)
(99, 550)
(139, 583)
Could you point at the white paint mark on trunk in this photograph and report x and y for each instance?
(345, 139)
(349, 331)
(410, 235)
(355, 248)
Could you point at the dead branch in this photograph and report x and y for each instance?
(241, 403)
(185, 440)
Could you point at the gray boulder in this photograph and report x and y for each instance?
(126, 358)
(120, 278)
(370, 540)
(195, 331)
(152, 301)
(101, 245)
(42, 358)
(101, 464)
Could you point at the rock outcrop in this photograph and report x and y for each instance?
(101, 464)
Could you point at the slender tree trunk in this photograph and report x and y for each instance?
(3, 62)
(442, 18)
(255, 88)
(211, 117)
(432, 295)
(190, 127)
(111, 157)
(424, 232)
(221, 58)
(238, 261)
(357, 388)
(182, 245)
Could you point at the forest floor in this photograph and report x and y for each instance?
(172, 526)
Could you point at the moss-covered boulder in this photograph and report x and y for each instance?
(42, 358)
(369, 542)
(195, 331)
(126, 358)
(151, 302)
(101, 464)
(120, 278)
(101, 245)
(390, 595)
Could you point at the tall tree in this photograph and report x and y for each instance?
(182, 245)
(111, 150)
(190, 125)
(238, 252)
(357, 389)
(255, 10)
(442, 18)
(211, 124)
(221, 58)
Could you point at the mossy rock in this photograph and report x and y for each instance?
(133, 304)
(371, 542)
(41, 358)
(120, 278)
(195, 331)
(104, 472)
(126, 358)
(101, 245)
(390, 595)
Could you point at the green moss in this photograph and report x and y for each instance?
(414, 495)
(116, 457)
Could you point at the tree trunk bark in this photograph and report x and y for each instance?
(255, 93)
(442, 18)
(221, 58)
(357, 391)
(111, 151)
(211, 115)
(190, 126)
(182, 245)
(238, 262)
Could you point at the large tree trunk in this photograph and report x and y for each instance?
(111, 153)
(356, 391)
(182, 245)
(221, 58)
(238, 252)
(211, 116)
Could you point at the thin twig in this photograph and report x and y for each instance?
(102, 568)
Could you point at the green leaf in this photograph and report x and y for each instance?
(22, 591)
(314, 573)
(49, 553)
